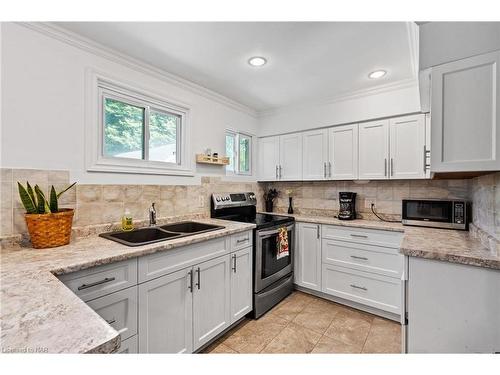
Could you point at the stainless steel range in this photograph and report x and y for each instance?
(273, 272)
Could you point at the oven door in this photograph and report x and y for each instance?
(268, 268)
(419, 212)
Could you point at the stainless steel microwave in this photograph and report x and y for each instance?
(437, 213)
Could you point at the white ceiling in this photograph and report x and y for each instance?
(307, 61)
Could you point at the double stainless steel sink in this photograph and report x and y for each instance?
(144, 236)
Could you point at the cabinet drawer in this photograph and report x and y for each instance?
(119, 309)
(369, 289)
(129, 346)
(381, 260)
(163, 263)
(241, 240)
(360, 235)
(98, 281)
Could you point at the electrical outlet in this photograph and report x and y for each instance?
(369, 202)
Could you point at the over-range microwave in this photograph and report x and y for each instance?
(437, 213)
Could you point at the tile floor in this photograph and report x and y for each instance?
(306, 324)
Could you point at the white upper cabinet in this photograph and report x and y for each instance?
(269, 154)
(465, 116)
(290, 167)
(407, 147)
(315, 155)
(343, 152)
(374, 150)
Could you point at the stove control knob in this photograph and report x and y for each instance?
(217, 199)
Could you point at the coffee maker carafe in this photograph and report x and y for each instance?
(347, 206)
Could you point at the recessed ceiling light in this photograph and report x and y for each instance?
(377, 74)
(257, 61)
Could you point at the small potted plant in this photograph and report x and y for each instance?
(269, 197)
(48, 225)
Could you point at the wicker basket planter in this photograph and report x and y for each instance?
(50, 230)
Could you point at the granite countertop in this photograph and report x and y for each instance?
(453, 246)
(38, 313)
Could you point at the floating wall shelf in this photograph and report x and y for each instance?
(206, 159)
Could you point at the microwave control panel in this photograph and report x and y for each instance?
(458, 210)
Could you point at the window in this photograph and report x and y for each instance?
(137, 133)
(239, 151)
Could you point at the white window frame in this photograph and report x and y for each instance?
(100, 87)
(236, 151)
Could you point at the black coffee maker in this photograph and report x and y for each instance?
(347, 205)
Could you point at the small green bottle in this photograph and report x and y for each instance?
(127, 223)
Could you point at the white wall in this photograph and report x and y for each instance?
(384, 103)
(42, 101)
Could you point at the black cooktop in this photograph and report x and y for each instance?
(261, 220)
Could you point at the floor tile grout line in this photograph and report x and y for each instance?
(366, 339)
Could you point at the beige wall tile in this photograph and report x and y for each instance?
(6, 195)
(58, 177)
(6, 218)
(19, 222)
(150, 193)
(113, 193)
(132, 193)
(111, 212)
(6, 174)
(88, 193)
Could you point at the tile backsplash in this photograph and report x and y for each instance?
(105, 204)
(486, 203)
(321, 198)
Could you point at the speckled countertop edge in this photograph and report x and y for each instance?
(41, 314)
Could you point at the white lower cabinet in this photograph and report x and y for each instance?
(166, 313)
(129, 346)
(308, 256)
(241, 283)
(361, 267)
(211, 298)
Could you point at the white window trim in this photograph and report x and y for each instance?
(100, 86)
(236, 151)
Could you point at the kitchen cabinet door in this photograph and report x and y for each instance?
(465, 115)
(315, 155)
(452, 308)
(374, 150)
(343, 152)
(290, 167)
(165, 314)
(211, 297)
(241, 283)
(269, 154)
(407, 147)
(308, 266)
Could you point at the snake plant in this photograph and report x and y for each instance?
(35, 202)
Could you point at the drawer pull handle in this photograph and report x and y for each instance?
(198, 272)
(356, 257)
(190, 286)
(242, 240)
(358, 287)
(111, 321)
(86, 286)
(359, 235)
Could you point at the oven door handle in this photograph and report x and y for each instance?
(267, 233)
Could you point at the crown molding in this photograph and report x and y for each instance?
(380, 89)
(85, 44)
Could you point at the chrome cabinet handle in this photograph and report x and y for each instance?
(356, 257)
(242, 240)
(111, 321)
(317, 231)
(104, 281)
(280, 172)
(329, 169)
(359, 235)
(385, 167)
(425, 159)
(392, 167)
(234, 263)
(198, 283)
(276, 172)
(358, 287)
(190, 286)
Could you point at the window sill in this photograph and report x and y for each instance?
(133, 167)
